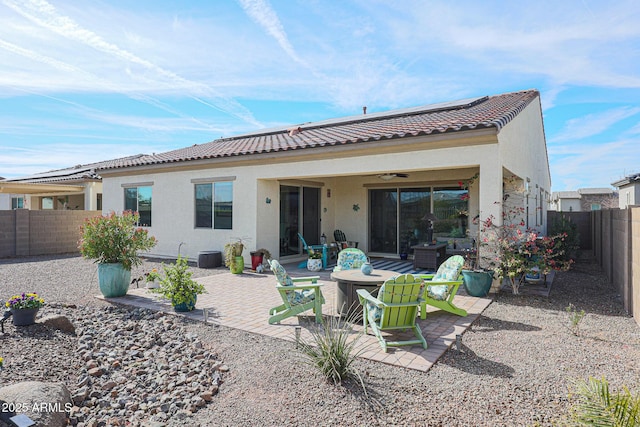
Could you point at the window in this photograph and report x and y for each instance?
(138, 199)
(17, 203)
(398, 217)
(596, 206)
(214, 205)
(47, 203)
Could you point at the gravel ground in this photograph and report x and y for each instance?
(515, 366)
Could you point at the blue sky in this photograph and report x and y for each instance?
(87, 81)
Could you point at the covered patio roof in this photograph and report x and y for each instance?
(38, 188)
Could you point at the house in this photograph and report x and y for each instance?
(629, 189)
(584, 200)
(74, 188)
(375, 176)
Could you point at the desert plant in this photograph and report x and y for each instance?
(115, 239)
(575, 317)
(231, 251)
(265, 253)
(597, 406)
(331, 351)
(177, 284)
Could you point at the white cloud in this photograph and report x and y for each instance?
(593, 124)
(46, 16)
(595, 166)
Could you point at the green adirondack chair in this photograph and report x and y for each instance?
(442, 287)
(395, 308)
(297, 297)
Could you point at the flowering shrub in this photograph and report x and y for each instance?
(512, 251)
(31, 300)
(115, 239)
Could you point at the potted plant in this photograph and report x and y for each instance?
(258, 256)
(24, 308)
(114, 241)
(233, 256)
(178, 286)
(151, 279)
(314, 262)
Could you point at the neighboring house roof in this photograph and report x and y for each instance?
(565, 195)
(78, 173)
(627, 180)
(469, 114)
(586, 191)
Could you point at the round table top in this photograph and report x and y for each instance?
(377, 277)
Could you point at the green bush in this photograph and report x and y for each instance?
(571, 242)
(177, 285)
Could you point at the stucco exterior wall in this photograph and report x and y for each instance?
(346, 172)
(253, 218)
(523, 152)
(629, 195)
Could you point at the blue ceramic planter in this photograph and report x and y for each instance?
(186, 306)
(113, 279)
(477, 283)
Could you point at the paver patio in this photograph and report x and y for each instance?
(242, 301)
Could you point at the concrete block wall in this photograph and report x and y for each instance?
(616, 246)
(25, 232)
(7, 233)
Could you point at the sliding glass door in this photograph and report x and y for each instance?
(299, 213)
(399, 217)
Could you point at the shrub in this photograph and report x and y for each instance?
(177, 285)
(331, 352)
(115, 239)
(571, 242)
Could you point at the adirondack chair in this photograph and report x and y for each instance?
(297, 297)
(319, 248)
(349, 259)
(395, 308)
(442, 287)
(341, 240)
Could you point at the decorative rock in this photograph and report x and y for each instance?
(60, 322)
(32, 393)
(95, 372)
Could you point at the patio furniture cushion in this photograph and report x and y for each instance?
(443, 286)
(281, 274)
(298, 295)
(350, 259)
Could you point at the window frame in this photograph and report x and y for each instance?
(214, 221)
(137, 187)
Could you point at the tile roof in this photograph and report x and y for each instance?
(478, 113)
(76, 173)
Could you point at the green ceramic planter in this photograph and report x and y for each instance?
(239, 265)
(113, 279)
(477, 283)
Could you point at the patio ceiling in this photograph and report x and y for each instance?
(37, 188)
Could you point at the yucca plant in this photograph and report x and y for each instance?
(597, 406)
(331, 351)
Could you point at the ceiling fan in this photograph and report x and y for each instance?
(390, 176)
